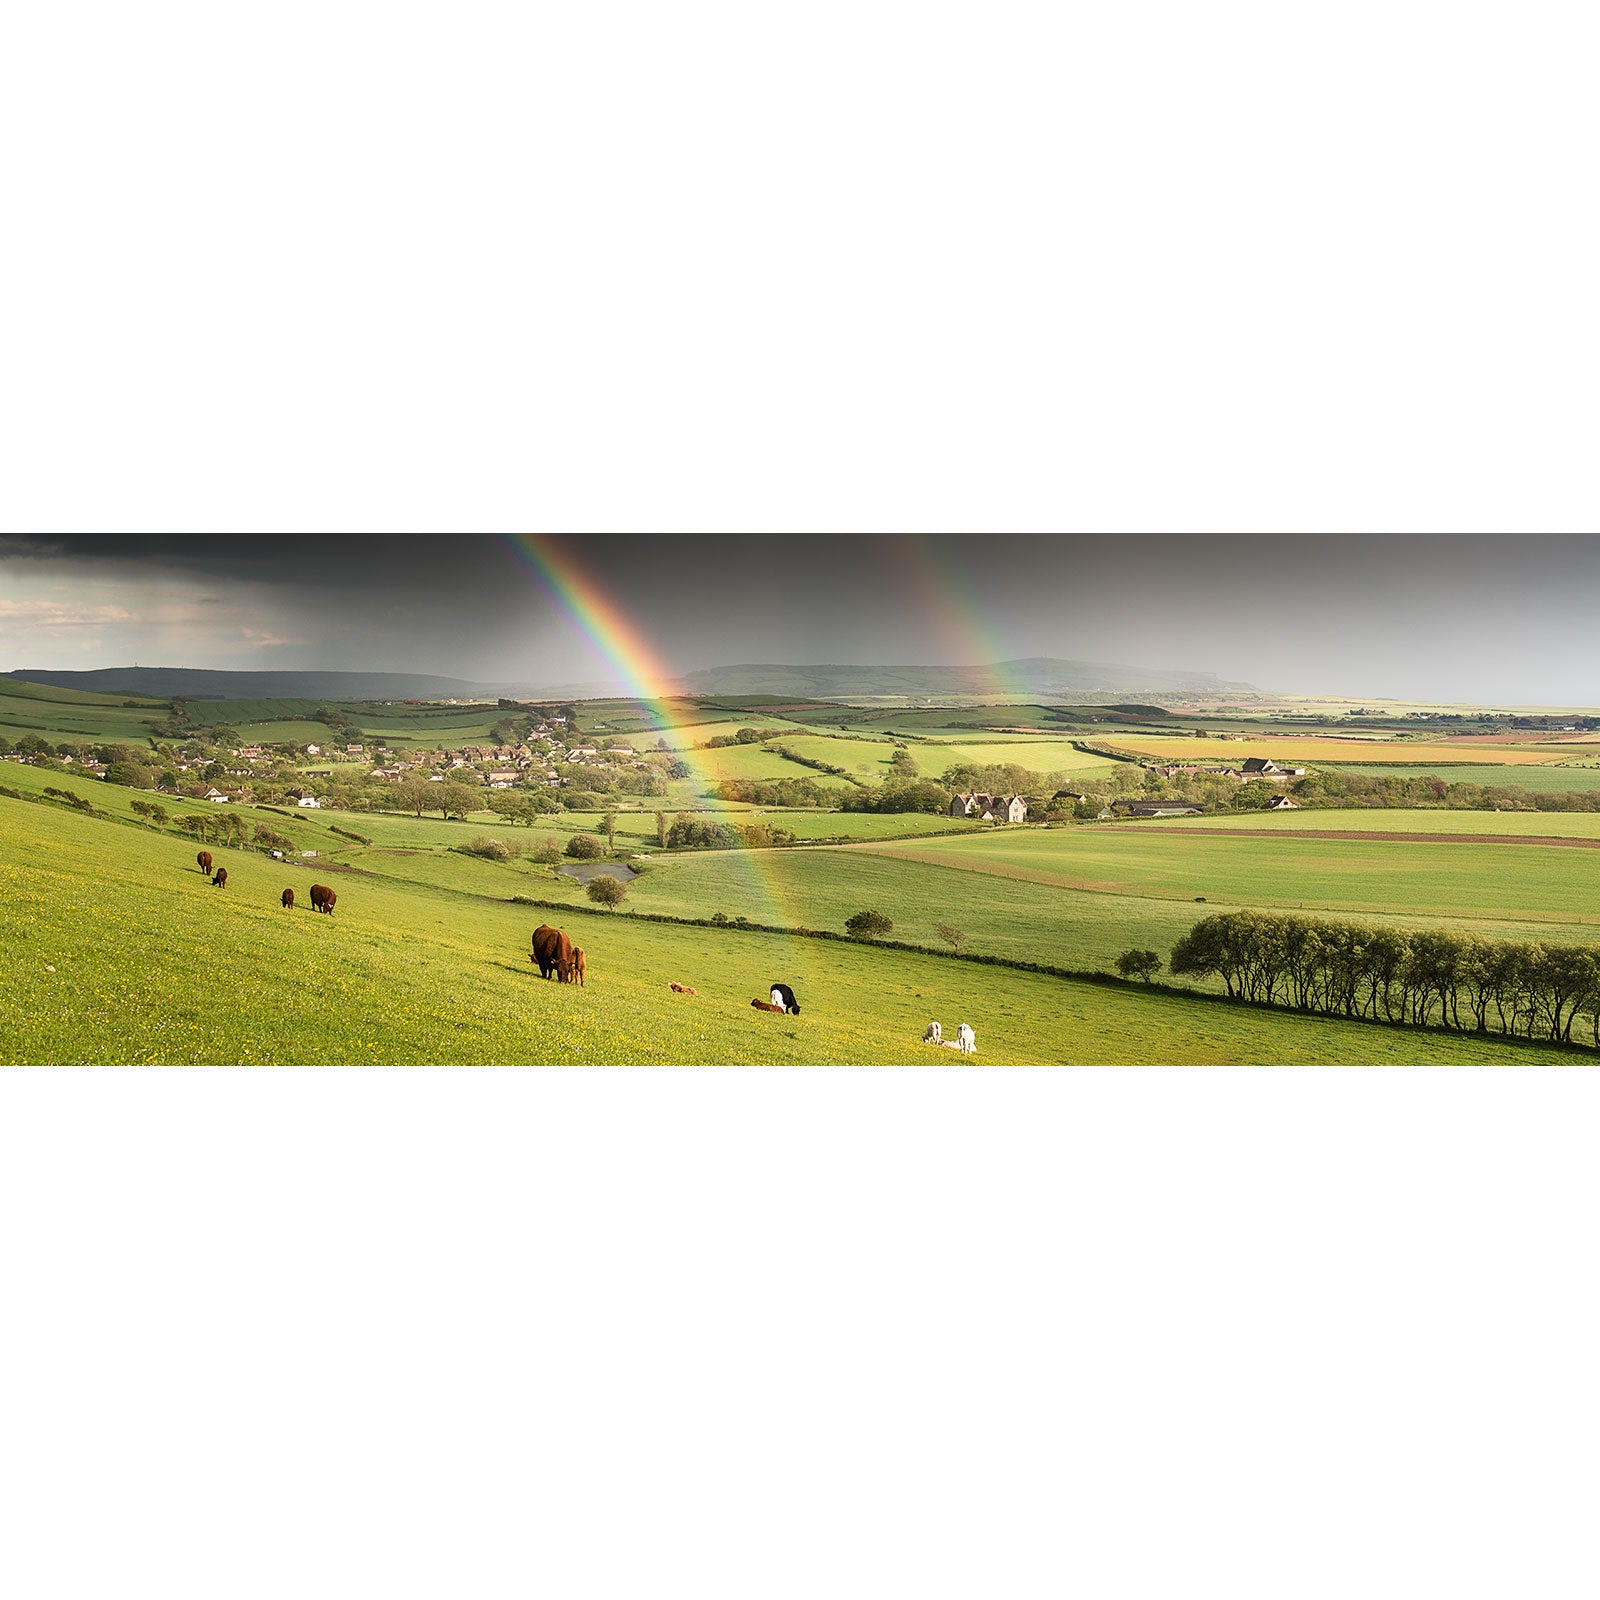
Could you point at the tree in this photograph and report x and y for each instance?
(418, 792)
(128, 774)
(661, 829)
(609, 823)
(951, 936)
(1143, 964)
(548, 851)
(585, 847)
(869, 925)
(456, 797)
(902, 763)
(607, 891)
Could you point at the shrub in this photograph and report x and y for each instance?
(489, 849)
(1143, 964)
(585, 847)
(548, 851)
(869, 925)
(607, 891)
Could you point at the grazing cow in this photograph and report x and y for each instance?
(204, 858)
(322, 898)
(934, 1034)
(288, 899)
(966, 1040)
(783, 999)
(552, 952)
(220, 878)
(682, 988)
(580, 965)
(766, 1005)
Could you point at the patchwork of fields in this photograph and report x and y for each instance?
(426, 958)
(1298, 748)
(118, 950)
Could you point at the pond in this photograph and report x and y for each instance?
(619, 870)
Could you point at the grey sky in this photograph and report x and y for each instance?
(1505, 618)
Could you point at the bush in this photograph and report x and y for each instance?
(585, 847)
(1143, 964)
(607, 891)
(869, 925)
(489, 849)
(548, 851)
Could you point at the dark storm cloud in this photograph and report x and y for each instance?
(1491, 617)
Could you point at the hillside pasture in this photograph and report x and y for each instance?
(1502, 824)
(63, 715)
(1361, 874)
(118, 951)
(1378, 753)
(1555, 777)
(756, 761)
(1035, 755)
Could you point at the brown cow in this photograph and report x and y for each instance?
(204, 858)
(767, 1005)
(681, 988)
(322, 898)
(220, 878)
(580, 965)
(552, 952)
(288, 898)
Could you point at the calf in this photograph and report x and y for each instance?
(934, 1034)
(682, 988)
(966, 1040)
(767, 1005)
(220, 877)
(288, 898)
(580, 966)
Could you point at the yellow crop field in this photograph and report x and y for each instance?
(1290, 748)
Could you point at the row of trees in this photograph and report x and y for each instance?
(775, 792)
(1433, 976)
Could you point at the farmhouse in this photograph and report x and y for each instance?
(306, 801)
(1257, 767)
(990, 808)
(501, 780)
(1281, 802)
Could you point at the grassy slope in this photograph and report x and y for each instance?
(154, 964)
(1509, 824)
(66, 714)
(1547, 779)
(1300, 748)
(1438, 879)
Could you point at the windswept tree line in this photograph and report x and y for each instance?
(1430, 977)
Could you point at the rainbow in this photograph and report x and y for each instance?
(611, 632)
(943, 598)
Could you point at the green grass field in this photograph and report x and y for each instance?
(1553, 779)
(151, 963)
(68, 714)
(1506, 824)
(1501, 882)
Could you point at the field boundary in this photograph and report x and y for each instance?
(1105, 980)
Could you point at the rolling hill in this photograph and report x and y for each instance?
(1037, 675)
